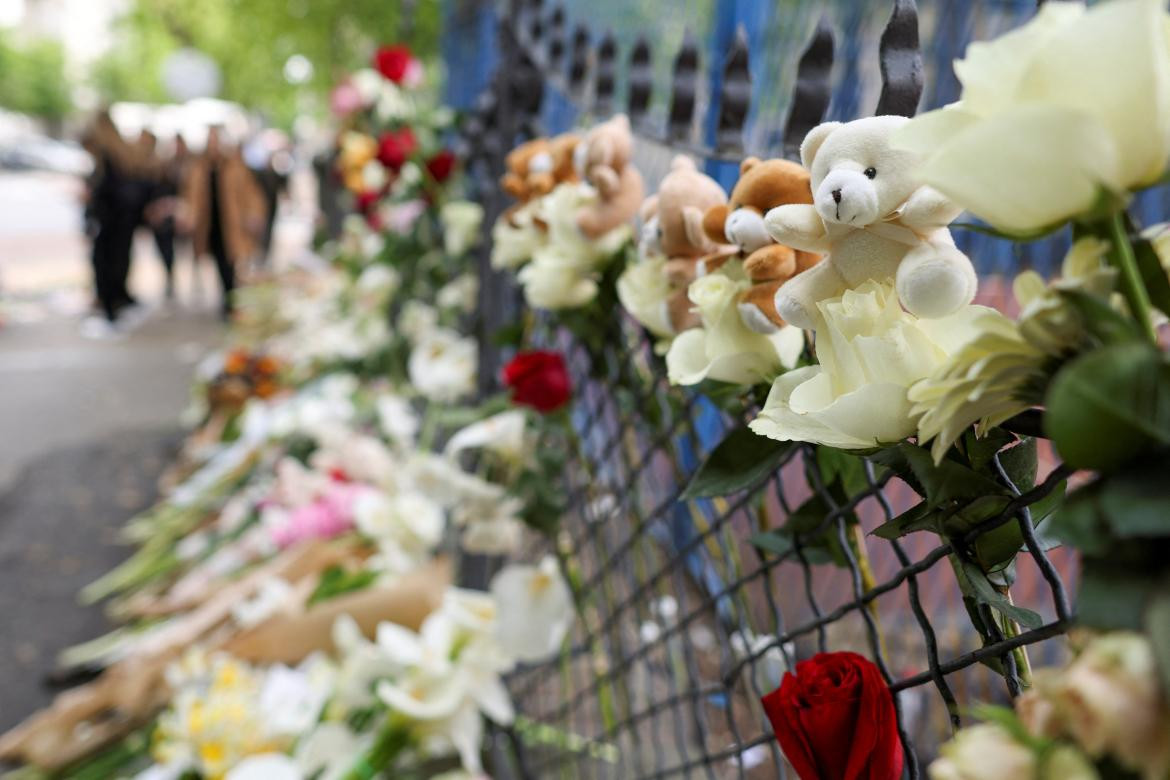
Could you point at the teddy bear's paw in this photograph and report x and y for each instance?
(755, 319)
(793, 311)
(936, 283)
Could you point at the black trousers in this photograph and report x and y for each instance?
(111, 263)
(223, 264)
(164, 239)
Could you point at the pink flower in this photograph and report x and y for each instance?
(400, 218)
(328, 516)
(345, 99)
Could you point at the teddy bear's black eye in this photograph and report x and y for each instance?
(870, 173)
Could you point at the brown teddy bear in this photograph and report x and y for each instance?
(762, 185)
(535, 167)
(604, 160)
(672, 227)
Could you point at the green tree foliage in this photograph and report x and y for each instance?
(32, 79)
(252, 39)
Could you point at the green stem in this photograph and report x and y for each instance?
(1132, 286)
(393, 738)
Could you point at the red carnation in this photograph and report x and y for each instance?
(835, 720)
(393, 62)
(539, 379)
(395, 147)
(441, 165)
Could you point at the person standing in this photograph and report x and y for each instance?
(113, 209)
(159, 214)
(225, 209)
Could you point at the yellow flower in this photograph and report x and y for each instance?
(1001, 371)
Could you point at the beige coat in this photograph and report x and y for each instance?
(241, 203)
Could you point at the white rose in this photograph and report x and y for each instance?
(643, 290)
(1074, 101)
(552, 285)
(460, 294)
(725, 349)
(461, 221)
(442, 365)
(1109, 699)
(417, 320)
(515, 239)
(870, 352)
(983, 752)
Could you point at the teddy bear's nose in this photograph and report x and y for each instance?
(836, 196)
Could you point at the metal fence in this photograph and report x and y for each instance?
(683, 623)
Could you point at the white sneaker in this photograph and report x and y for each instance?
(97, 328)
(130, 317)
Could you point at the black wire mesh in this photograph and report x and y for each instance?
(682, 623)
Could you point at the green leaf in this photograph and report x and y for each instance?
(1111, 596)
(948, 481)
(1136, 502)
(804, 522)
(919, 517)
(980, 451)
(843, 468)
(336, 581)
(510, 335)
(771, 541)
(985, 593)
(1079, 523)
(1154, 276)
(1100, 319)
(1110, 405)
(1020, 463)
(740, 462)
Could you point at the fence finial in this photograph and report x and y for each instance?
(735, 98)
(604, 76)
(901, 62)
(683, 89)
(812, 94)
(641, 81)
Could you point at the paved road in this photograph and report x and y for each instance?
(85, 427)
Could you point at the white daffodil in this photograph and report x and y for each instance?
(515, 238)
(291, 700)
(441, 479)
(461, 221)
(417, 320)
(490, 527)
(461, 294)
(1044, 124)
(328, 751)
(266, 766)
(870, 351)
(361, 664)
(502, 434)
(406, 526)
(397, 419)
(725, 349)
(535, 610)
(643, 290)
(442, 365)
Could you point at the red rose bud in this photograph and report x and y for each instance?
(539, 379)
(441, 165)
(393, 62)
(395, 147)
(835, 720)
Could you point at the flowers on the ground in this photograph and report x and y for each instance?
(724, 349)
(835, 718)
(442, 365)
(871, 352)
(1045, 127)
(406, 528)
(539, 379)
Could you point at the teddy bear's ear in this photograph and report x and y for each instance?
(693, 226)
(682, 163)
(649, 208)
(748, 164)
(812, 142)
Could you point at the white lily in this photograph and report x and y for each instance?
(502, 434)
(442, 365)
(538, 612)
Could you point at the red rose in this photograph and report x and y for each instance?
(441, 165)
(835, 720)
(366, 200)
(393, 62)
(539, 379)
(395, 147)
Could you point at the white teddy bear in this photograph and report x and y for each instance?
(874, 220)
